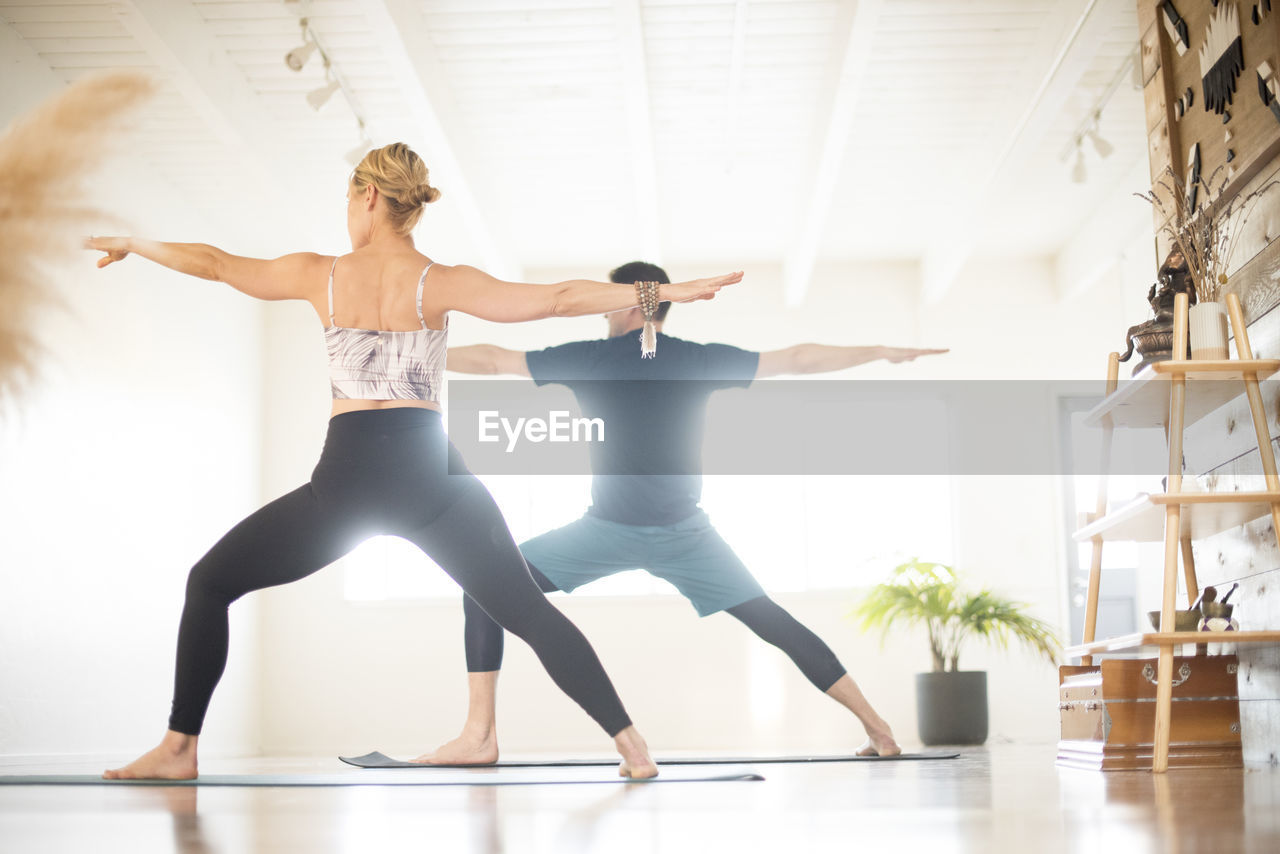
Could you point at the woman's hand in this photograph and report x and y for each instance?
(301, 275)
(117, 248)
(697, 288)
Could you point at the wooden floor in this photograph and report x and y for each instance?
(995, 799)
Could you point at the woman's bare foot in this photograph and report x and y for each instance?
(880, 743)
(470, 748)
(173, 759)
(636, 762)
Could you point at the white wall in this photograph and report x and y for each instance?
(169, 408)
(136, 447)
(147, 421)
(341, 677)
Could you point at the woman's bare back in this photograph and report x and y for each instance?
(376, 289)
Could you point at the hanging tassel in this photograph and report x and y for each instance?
(648, 340)
(647, 299)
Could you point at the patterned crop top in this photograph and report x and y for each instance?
(384, 364)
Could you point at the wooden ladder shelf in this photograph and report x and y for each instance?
(1166, 395)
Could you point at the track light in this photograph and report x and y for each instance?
(298, 57)
(317, 98)
(1100, 145)
(1073, 145)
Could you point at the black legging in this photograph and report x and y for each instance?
(382, 472)
(769, 620)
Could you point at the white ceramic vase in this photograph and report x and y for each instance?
(1207, 323)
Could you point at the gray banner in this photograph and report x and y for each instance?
(814, 427)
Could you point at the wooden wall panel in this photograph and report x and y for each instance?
(1254, 129)
(1260, 703)
(1223, 446)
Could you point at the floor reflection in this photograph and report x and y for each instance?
(486, 828)
(183, 805)
(1004, 798)
(581, 828)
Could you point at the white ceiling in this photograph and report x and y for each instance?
(585, 132)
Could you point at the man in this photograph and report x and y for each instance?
(649, 517)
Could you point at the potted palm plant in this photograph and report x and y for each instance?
(951, 704)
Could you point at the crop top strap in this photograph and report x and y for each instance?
(331, 320)
(418, 299)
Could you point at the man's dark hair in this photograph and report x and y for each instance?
(642, 271)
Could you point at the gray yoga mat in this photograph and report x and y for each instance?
(443, 777)
(381, 760)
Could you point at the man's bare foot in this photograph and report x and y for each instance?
(467, 749)
(636, 762)
(880, 744)
(880, 741)
(173, 759)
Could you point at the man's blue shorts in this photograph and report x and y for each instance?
(689, 554)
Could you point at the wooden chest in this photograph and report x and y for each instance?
(1108, 714)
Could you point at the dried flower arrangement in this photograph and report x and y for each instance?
(1203, 226)
(44, 158)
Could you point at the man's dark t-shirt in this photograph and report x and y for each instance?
(648, 469)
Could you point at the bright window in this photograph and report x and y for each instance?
(794, 532)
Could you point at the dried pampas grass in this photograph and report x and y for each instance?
(45, 157)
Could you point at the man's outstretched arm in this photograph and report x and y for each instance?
(487, 359)
(821, 358)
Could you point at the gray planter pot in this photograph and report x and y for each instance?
(951, 708)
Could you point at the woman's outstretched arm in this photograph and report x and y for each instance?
(475, 292)
(287, 277)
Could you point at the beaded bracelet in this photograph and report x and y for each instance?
(647, 298)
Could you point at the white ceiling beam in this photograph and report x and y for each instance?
(942, 262)
(1113, 229)
(845, 86)
(401, 30)
(635, 84)
(737, 62)
(28, 79)
(175, 36)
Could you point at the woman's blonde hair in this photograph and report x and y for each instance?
(401, 177)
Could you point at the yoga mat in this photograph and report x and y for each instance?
(447, 777)
(381, 760)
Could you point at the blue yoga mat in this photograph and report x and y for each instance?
(381, 760)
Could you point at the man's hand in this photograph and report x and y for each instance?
(696, 289)
(822, 358)
(908, 354)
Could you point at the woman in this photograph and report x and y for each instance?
(386, 460)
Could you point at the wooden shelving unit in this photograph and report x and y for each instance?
(1203, 515)
(1173, 394)
(1144, 400)
(1147, 640)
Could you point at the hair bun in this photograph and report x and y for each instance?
(402, 179)
(424, 194)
